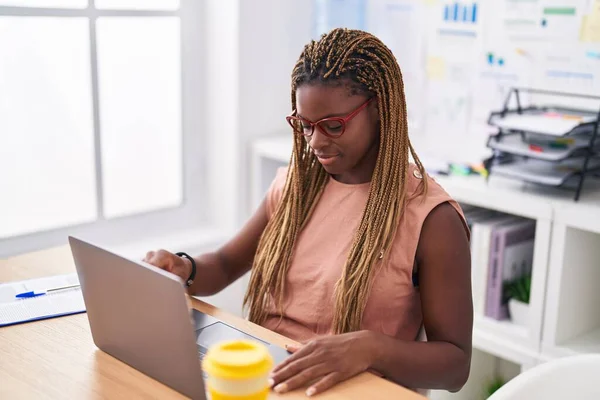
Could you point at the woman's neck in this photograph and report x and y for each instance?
(362, 172)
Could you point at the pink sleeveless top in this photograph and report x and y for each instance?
(394, 306)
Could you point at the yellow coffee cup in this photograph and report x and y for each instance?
(238, 370)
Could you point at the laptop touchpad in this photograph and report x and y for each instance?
(218, 332)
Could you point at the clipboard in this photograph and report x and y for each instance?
(51, 305)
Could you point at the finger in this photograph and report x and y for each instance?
(297, 354)
(161, 263)
(296, 368)
(148, 256)
(161, 260)
(325, 383)
(303, 378)
(292, 348)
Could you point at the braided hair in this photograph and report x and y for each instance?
(365, 65)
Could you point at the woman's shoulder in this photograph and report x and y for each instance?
(416, 192)
(420, 201)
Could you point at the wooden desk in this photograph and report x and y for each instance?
(57, 359)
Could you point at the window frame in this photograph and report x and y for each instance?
(194, 213)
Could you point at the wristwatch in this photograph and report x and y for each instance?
(189, 280)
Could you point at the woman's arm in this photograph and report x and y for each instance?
(221, 268)
(444, 261)
(217, 270)
(443, 362)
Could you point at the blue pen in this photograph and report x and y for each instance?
(28, 295)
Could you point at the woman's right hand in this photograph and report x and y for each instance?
(182, 267)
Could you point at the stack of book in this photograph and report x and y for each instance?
(501, 251)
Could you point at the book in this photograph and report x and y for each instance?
(477, 214)
(480, 256)
(511, 256)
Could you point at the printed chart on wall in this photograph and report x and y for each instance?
(500, 68)
(399, 24)
(561, 20)
(572, 70)
(542, 20)
(567, 54)
(590, 24)
(453, 44)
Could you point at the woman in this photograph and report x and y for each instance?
(354, 249)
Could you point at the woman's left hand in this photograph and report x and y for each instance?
(325, 361)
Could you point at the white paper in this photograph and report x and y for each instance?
(457, 43)
(453, 45)
(460, 16)
(538, 21)
(448, 110)
(560, 20)
(500, 68)
(543, 172)
(568, 68)
(518, 20)
(539, 123)
(13, 310)
(514, 144)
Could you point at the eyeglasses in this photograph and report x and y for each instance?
(333, 127)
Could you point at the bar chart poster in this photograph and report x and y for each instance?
(461, 12)
(462, 18)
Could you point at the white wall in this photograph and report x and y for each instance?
(222, 136)
(272, 34)
(252, 47)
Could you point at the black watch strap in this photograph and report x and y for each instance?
(189, 280)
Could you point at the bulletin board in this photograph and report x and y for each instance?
(459, 57)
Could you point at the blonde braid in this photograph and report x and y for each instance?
(366, 65)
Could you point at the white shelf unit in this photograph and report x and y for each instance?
(572, 314)
(504, 339)
(564, 300)
(268, 154)
(572, 324)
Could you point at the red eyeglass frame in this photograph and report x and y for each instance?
(342, 120)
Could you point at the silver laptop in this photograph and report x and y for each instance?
(139, 314)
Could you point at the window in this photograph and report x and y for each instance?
(94, 115)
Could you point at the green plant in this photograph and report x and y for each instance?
(519, 288)
(494, 385)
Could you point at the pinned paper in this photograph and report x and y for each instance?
(590, 28)
(522, 52)
(590, 24)
(436, 68)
